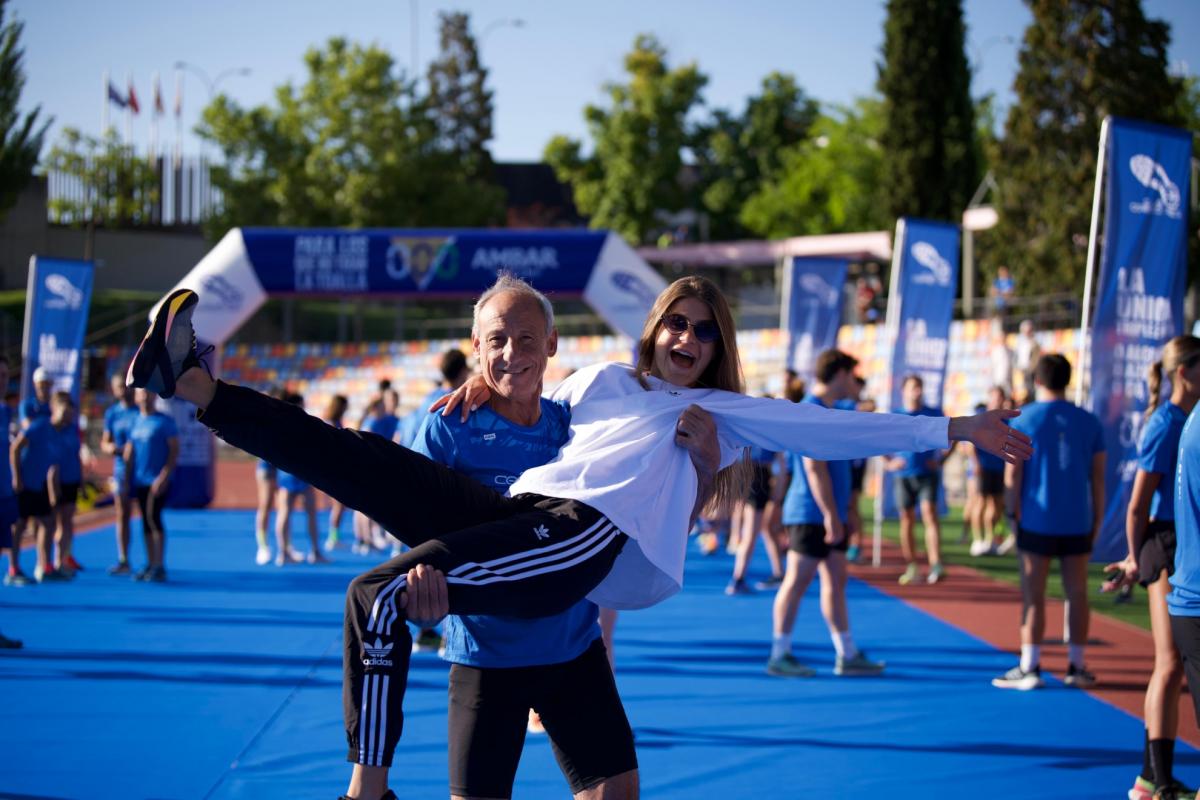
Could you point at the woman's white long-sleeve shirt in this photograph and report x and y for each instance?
(621, 459)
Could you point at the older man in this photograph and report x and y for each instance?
(504, 666)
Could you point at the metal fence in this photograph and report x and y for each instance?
(182, 195)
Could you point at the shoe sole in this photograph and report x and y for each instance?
(142, 367)
(782, 674)
(1020, 686)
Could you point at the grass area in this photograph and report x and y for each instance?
(1004, 568)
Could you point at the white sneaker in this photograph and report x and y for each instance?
(1019, 679)
(263, 556)
(1006, 547)
(979, 548)
(936, 573)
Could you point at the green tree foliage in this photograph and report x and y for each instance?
(928, 138)
(735, 155)
(20, 136)
(459, 100)
(114, 187)
(353, 145)
(1080, 61)
(828, 183)
(638, 141)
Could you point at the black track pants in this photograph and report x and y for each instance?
(526, 556)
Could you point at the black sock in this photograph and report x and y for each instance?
(1162, 761)
(1147, 766)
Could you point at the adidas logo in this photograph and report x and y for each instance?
(378, 654)
(541, 532)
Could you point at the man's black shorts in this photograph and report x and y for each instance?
(760, 487)
(67, 494)
(1157, 551)
(809, 540)
(910, 489)
(1054, 546)
(991, 483)
(579, 706)
(858, 474)
(34, 503)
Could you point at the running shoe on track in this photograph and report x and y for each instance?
(936, 573)
(859, 665)
(1172, 791)
(911, 573)
(1017, 678)
(388, 795)
(9, 644)
(788, 666)
(169, 347)
(1079, 677)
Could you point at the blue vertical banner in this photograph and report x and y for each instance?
(1139, 304)
(57, 299)
(927, 257)
(813, 310)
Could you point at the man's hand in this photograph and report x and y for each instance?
(1121, 573)
(989, 431)
(471, 395)
(425, 599)
(696, 432)
(834, 530)
(158, 486)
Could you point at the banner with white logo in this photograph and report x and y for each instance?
(813, 290)
(57, 300)
(1139, 304)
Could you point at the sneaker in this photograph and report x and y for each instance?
(1017, 678)
(142, 574)
(50, 576)
(769, 584)
(263, 556)
(157, 575)
(738, 586)
(73, 565)
(16, 579)
(1079, 677)
(120, 568)
(788, 666)
(979, 548)
(534, 725)
(427, 641)
(1142, 789)
(331, 541)
(169, 347)
(1172, 791)
(859, 665)
(316, 557)
(388, 795)
(852, 553)
(9, 644)
(1007, 546)
(936, 573)
(910, 574)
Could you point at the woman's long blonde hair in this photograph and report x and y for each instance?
(723, 372)
(1176, 353)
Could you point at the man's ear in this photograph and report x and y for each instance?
(552, 343)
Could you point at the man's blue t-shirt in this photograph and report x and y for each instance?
(1056, 484)
(411, 423)
(1158, 452)
(66, 440)
(800, 504)
(118, 420)
(495, 451)
(40, 450)
(1184, 599)
(917, 464)
(150, 434)
(382, 424)
(32, 408)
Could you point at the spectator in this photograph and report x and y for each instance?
(1026, 355)
(39, 404)
(1003, 288)
(153, 448)
(66, 473)
(10, 538)
(118, 420)
(1000, 356)
(291, 489)
(30, 457)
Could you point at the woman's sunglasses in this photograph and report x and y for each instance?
(706, 330)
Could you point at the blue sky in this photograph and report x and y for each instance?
(542, 73)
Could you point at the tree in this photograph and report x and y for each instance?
(459, 100)
(1080, 61)
(735, 155)
(633, 171)
(930, 164)
(20, 136)
(828, 183)
(354, 145)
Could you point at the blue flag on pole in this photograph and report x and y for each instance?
(1139, 303)
(57, 299)
(814, 310)
(928, 282)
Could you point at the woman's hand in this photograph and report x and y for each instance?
(696, 432)
(989, 431)
(1121, 573)
(471, 395)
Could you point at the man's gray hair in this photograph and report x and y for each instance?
(507, 282)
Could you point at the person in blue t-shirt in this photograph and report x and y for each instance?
(118, 420)
(754, 521)
(334, 413)
(66, 473)
(379, 417)
(918, 480)
(290, 490)
(1003, 289)
(266, 483)
(38, 405)
(816, 509)
(989, 492)
(1151, 535)
(1056, 504)
(152, 449)
(858, 473)
(30, 457)
(10, 537)
(503, 667)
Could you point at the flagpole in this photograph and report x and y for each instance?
(104, 108)
(1086, 321)
(891, 326)
(178, 117)
(128, 109)
(154, 120)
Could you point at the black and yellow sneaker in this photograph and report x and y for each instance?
(169, 347)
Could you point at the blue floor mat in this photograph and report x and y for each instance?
(225, 683)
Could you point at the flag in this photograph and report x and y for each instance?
(133, 101)
(813, 310)
(158, 100)
(115, 96)
(178, 95)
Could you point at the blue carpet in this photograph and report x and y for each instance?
(225, 683)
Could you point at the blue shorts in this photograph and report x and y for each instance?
(291, 483)
(265, 470)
